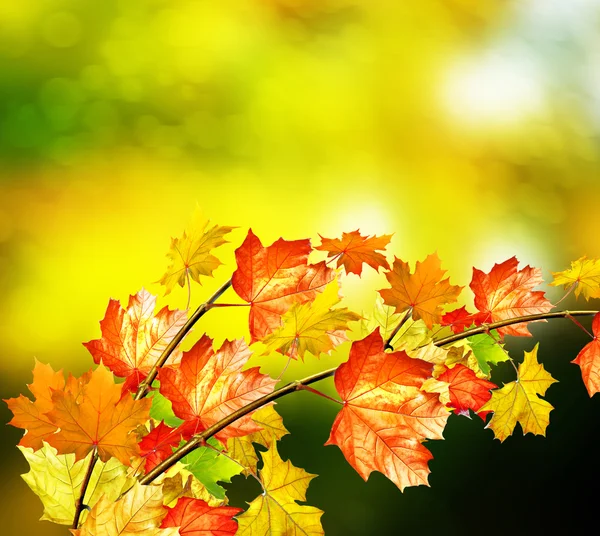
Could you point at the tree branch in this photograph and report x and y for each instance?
(297, 385)
(79, 505)
(198, 313)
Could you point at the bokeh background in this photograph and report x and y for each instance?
(467, 127)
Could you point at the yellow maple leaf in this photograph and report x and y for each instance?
(242, 450)
(139, 511)
(586, 273)
(312, 327)
(276, 511)
(518, 401)
(191, 255)
(57, 478)
(178, 482)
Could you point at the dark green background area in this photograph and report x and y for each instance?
(526, 485)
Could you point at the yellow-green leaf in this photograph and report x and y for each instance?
(276, 512)
(586, 273)
(519, 401)
(56, 479)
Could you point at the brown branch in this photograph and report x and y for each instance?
(198, 313)
(79, 505)
(297, 385)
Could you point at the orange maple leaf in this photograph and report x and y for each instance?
(467, 391)
(425, 290)
(589, 360)
(386, 416)
(134, 338)
(354, 249)
(271, 279)
(97, 417)
(208, 386)
(194, 517)
(507, 293)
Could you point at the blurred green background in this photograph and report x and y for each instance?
(470, 127)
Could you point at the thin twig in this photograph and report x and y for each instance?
(291, 387)
(388, 343)
(198, 313)
(79, 505)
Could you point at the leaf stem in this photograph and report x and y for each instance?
(577, 323)
(320, 393)
(189, 289)
(79, 505)
(571, 289)
(198, 313)
(297, 385)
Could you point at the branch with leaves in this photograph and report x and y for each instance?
(148, 454)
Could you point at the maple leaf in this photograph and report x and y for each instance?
(354, 250)
(386, 416)
(467, 391)
(97, 419)
(191, 255)
(158, 444)
(276, 511)
(585, 274)
(518, 401)
(208, 386)
(312, 327)
(57, 479)
(461, 319)
(425, 290)
(242, 449)
(487, 350)
(31, 415)
(589, 360)
(134, 338)
(139, 511)
(194, 517)
(272, 279)
(506, 293)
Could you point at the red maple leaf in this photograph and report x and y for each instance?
(134, 338)
(589, 360)
(467, 391)
(354, 249)
(507, 293)
(194, 517)
(271, 279)
(158, 444)
(386, 416)
(207, 386)
(461, 319)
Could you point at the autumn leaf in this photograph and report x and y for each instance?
(461, 319)
(585, 274)
(194, 517)
(354, 250)
(275, 511)
(158, 444)
(487, 350)
(57, 479)
(99, 419)
(134, 338)
(207, 387)
(272, 279)
(242, 449)
(506, 293)
(424, 290)
(139, 511)
(178, 482)
(589, 360)
(518, 401)
(191, 255)
(386, 416)
(312, 327)
(467, 391)
(31, 416)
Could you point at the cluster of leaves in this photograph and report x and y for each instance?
(112, 457)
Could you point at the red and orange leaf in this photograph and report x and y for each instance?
(386, 416)
(271, 279)
(31, 415)
(354, 249)
(208, 386)
(467, 391)
(194, 517)
(425, 290)
(589, 360)
(134, 338)
(158, 445)
(461, 319)
(507, 293)
(98, 418)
